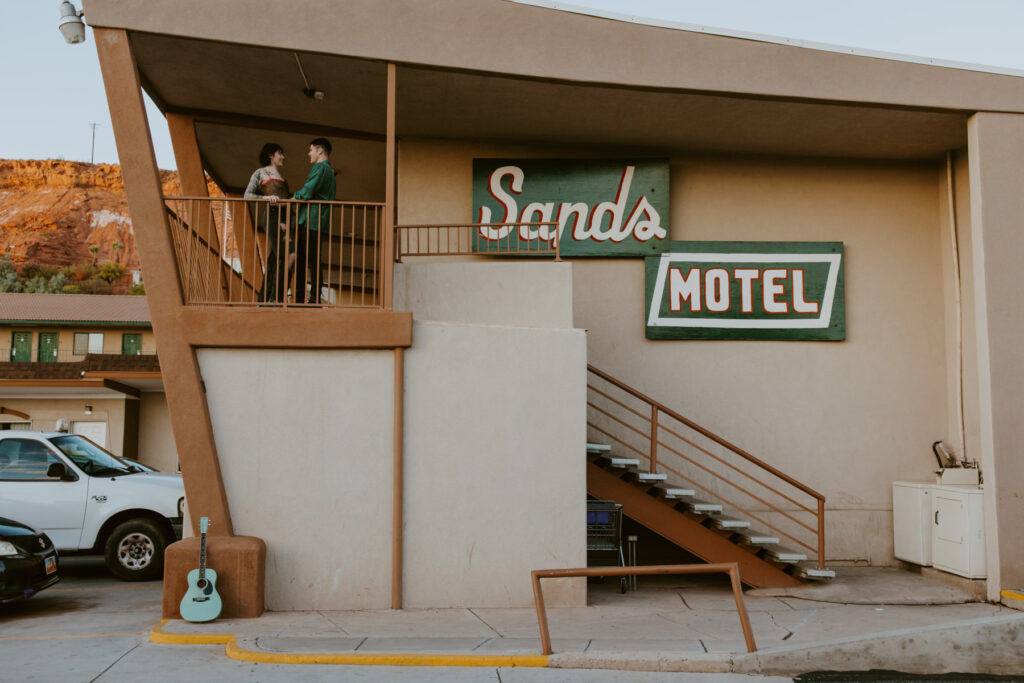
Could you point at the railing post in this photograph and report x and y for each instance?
(654, 439)
(821, 533)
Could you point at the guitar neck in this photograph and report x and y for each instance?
(202, 556)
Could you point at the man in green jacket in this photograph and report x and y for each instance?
(314, 221)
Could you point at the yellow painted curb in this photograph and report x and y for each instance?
(1013, 594)
(158, 635)
(366, 659)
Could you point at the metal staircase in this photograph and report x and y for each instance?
(699, 491)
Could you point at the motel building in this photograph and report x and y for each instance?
(738, 286)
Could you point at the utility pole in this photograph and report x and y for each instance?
(92, 154)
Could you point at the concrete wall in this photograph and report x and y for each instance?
(495, 484)
(44, 413)
(494, 436)
(156, 438)
(996, 151)
(112, 339)
(846, 418)
(305, 446)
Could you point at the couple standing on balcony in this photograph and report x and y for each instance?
(313, 222)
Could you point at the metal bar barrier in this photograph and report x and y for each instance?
(478, 239)
(730, 568)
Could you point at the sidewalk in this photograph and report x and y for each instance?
(868, 618)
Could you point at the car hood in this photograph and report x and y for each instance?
(10, 528)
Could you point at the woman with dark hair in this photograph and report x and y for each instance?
(268, 184)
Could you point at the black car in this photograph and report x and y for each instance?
(28, 561)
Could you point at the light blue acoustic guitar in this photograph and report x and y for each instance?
(201, 602)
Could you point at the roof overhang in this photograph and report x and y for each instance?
(495, 71)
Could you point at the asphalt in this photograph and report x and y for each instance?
(94, 628)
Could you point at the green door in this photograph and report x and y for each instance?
(131, 344)
(21, 347)
(47, 352)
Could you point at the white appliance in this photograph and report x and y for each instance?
(958, 530)
(912, 521)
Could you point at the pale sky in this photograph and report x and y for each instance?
(53, 91)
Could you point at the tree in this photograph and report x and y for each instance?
(117, 247)
(9, 280)
(93, 249)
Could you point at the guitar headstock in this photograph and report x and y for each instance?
(204, 524)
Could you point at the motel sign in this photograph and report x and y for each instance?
(599, 207)
(747, 290)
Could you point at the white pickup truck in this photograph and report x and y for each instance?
(89, 501)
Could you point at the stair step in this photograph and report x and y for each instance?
(813, 573)
(648, 477)
(598, 448)
(670, 493)
(749, 537)
(701, 507)
(781, 554)
(622, 463)
(724, 522)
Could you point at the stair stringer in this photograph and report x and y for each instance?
(683, 531)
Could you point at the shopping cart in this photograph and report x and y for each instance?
(604, 536)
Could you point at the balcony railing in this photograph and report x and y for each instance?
(69, 365)
(478, 239)
(54, 355)
(256, 253)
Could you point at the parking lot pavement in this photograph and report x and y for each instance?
(91, 627)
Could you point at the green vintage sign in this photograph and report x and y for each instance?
(601, 207)
(747, 290)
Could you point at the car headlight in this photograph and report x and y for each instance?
(8, 549)
(181, 507)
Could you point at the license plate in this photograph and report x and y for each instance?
(51, 565)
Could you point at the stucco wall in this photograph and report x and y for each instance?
(156, 438)
(305, 444)
(846, 418)
(495, 484)
(44, 413)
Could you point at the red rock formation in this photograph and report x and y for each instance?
(52, 212)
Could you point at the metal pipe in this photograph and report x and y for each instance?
(730, 568)
(398, 481)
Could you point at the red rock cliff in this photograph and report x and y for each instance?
(52, 211)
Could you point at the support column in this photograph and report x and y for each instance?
(186, 397)
(388, 250)
(996, 157)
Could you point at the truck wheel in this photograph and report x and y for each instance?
(135, 550)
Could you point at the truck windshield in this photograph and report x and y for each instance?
(89, 457)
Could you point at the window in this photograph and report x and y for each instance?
(25, 459)
(88, 342)
(131, 344)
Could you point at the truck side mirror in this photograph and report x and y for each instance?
(60, 471)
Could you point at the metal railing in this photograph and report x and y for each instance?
(239, 252)
(478, 239)
(730, 568)
(640, 427)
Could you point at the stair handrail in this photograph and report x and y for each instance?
(709, 434)
(658, 406)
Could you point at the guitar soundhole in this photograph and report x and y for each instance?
(201, 583)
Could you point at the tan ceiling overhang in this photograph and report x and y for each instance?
(662, 97)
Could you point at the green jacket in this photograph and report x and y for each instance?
(320, 184)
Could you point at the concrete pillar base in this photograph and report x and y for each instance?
(240, 563)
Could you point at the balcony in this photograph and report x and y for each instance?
(69, 365)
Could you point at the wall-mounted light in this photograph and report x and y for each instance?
(71, 25)
(88, 409)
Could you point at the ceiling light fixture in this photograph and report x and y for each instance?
(311, 93)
